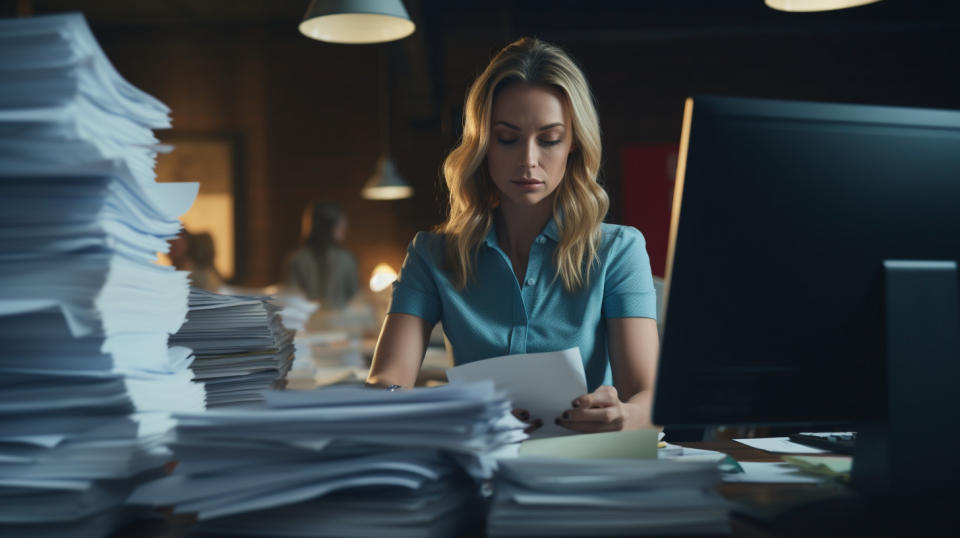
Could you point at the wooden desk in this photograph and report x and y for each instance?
(823, 510)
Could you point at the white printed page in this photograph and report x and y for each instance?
(542, 383)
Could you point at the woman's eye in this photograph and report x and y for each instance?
(506, 141)
(549, 142)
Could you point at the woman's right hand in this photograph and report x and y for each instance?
(524, 415)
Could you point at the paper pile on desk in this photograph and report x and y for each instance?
(241, 348)
(338, 461)
(581, 497)
(86, 378)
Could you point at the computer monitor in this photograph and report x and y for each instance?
(779, 307)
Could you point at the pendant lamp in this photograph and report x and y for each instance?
(385, 183)
(815, 5)
(356, 21)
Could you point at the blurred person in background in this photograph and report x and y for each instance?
(194, 252)
(203, 274)
(321, 269)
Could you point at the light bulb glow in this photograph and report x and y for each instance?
(382, 277)
(815, 5)
(357, 28)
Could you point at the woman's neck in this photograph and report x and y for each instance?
(517, 227)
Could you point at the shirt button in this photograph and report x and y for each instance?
(531, 282)
(541, 240)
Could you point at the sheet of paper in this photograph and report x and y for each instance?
(630, 444)
(780, 445)
(685, 453)
(542, 383)
(770, 472)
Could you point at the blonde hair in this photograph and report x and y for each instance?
(580, 203)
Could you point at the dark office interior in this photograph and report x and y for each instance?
(304, 118)
(269, 122)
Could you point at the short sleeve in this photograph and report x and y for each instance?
(415, 290)
(628, 285)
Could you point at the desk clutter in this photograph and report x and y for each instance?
(339, 461)
(540, 496)
(88, 380)
(241, 347)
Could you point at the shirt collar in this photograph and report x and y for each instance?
(550, 231)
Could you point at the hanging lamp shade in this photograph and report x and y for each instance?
(815, 5)
(356, 21)
(386, 183)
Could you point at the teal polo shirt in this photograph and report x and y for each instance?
(497, 315)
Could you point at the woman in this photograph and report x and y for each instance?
(321, 269)
(523, 263)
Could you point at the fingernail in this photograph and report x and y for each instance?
(538, 422)
(524, 415)
(576, 403)
(556, 421)
(566, 415)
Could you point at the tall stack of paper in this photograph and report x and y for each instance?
(339, 461)
(240, 345)
(85, 314)
(540, 496)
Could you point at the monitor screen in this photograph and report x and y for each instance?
(783, 216)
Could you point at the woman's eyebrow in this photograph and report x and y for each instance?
(515, 128)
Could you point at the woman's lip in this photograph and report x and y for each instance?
(526, 181)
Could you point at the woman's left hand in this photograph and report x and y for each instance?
(599, 411)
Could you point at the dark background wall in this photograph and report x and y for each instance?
(307, 113)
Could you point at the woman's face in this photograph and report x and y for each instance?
(530, 140)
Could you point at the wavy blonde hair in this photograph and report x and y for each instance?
(579, 204)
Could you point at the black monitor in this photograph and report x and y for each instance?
(813, 249)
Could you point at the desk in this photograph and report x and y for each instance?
(828, 510)
(818, 511)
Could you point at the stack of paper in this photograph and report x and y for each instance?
(296, 310)
(86, 377)
(339, 461)
(241, 348)
(580, 497)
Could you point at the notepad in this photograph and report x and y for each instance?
(630, 444)
(831, 466)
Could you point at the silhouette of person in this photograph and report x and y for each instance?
(321, 269)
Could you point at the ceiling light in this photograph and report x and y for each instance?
(815, 5)
(356, 21)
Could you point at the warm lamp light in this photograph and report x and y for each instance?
(815, 5)
(383, 275)
(386, 183)
(356, 21)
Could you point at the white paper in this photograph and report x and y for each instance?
(780, 445)
(542, 383)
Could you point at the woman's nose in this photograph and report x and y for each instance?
(529, 159)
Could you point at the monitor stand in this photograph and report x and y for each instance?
(914, 452)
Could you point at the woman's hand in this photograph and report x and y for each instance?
(599, 411)
(524, 415)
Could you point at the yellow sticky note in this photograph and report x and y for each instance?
(631, 444)
(834, 466)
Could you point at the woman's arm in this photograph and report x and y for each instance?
(399, 352)
(634, 352)
(634, 349)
